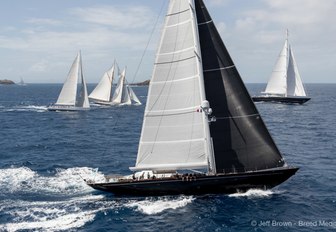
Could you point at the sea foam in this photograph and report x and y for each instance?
(254, 193)
(155, 206)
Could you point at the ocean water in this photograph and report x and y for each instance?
(44, 157)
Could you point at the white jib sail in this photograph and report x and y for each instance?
(133, 97)
(121, 94)
(277, 83)
(69, 90)
(103, 89)
(84, 95)
(294, 83)
(173, 135)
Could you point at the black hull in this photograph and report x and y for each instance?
(291, 100)
(207, 184)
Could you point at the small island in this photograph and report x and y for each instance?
(144, 83)
(6, 82)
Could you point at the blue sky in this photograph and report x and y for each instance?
(39, 39)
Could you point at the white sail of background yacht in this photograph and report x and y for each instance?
(71, 98)
(285, 84)
(102, 94)
(123, 94)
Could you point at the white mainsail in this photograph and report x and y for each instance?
(121, 95)
(102, 92)
(133, 96)
(285, 79)
(83, 101)
(174, 130)
(277, 82)
(69, 89)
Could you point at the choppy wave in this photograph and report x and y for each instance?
(25, 108)
(65, 181)
(80, 206)
(53, 215)
(155, 206)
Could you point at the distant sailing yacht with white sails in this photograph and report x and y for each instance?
(201, 131)
(285, 84)
(123, 94)
(22, 83)
(71, 97)
(102, 94)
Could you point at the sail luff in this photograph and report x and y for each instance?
(69, 90)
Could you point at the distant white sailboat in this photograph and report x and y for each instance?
(102, 94)
(123, 94)
(71, 98)
(22, 83)
(285, 84)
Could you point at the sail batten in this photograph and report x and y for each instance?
(174, 61)
(217, 69)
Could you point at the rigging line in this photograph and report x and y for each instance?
(150, 38)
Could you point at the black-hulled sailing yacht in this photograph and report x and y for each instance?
(200, 117)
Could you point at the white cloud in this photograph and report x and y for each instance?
(44, 21)
(218, 2)
(103, 33)
(129, 17)
(41, 66)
